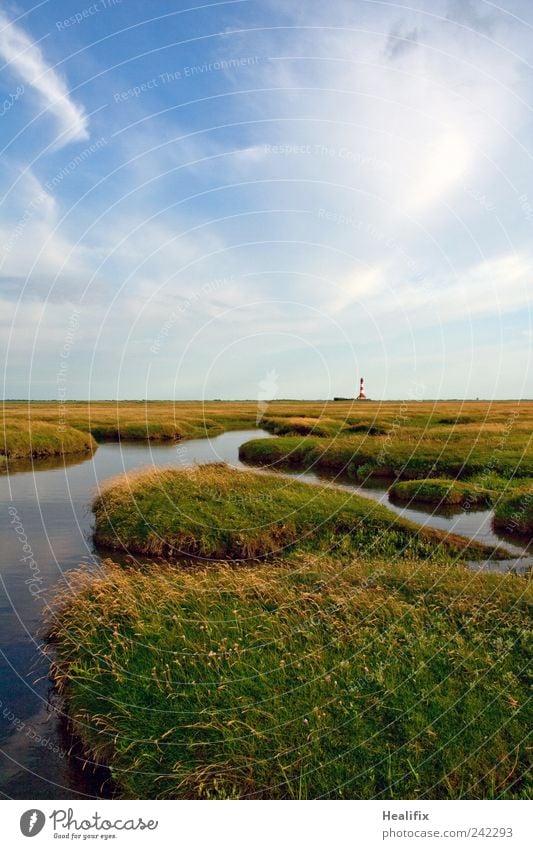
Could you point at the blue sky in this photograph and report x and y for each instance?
(250, 197)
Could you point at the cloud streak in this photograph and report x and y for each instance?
(25, 60)
(401, 41)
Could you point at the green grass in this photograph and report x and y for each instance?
(339, 651)
(445, 492)
(41, 439)
(217, 512)
(308, 678)
(148, 431)
(409, 455)
(514, 513)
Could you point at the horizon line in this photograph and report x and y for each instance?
(336, 399)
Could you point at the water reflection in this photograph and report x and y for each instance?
(45, 506)
(475, 523)
(44, 464)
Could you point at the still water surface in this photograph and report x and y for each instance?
(46, 507)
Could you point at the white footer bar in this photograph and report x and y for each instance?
(267, 825)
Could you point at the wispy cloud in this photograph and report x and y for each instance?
(25, 59)
(492, 287)
(360, 284)
(468, 13)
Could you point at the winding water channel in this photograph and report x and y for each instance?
(46, 532)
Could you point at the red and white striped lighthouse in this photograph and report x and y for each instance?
(362, 396)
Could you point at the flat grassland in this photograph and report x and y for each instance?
(330, 650)
(313, 677)
(400, 439)
(380, 429)
(490, 444)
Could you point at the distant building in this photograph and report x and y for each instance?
(360, 397)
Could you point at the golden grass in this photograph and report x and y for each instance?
(22, 439)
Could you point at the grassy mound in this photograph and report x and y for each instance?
(514, 513)
(408, 455)
(217, 512)
(301, 425)
(42, 439)
(299, 680)
(160, 430)
(322, 426)
(439, 491)
(342, 454)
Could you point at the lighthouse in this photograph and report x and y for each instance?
(362, 396)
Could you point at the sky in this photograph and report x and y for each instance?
(265, 199)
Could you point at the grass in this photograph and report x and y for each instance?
(113, 420)
(514, 513)
(411, 455)
(80, 423)
(307, 678)
(25, 439)
(444, 492)
(216, 512)
(408, 440)
(348, 657)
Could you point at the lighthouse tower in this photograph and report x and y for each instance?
(362, 396)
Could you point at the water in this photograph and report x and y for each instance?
(46, 519)
(49, 506)
(474, 524)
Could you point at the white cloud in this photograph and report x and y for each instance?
(26, 61)
(358, 286)
(494, 286)
(29, 217)
(497, 285)
(443, 166)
